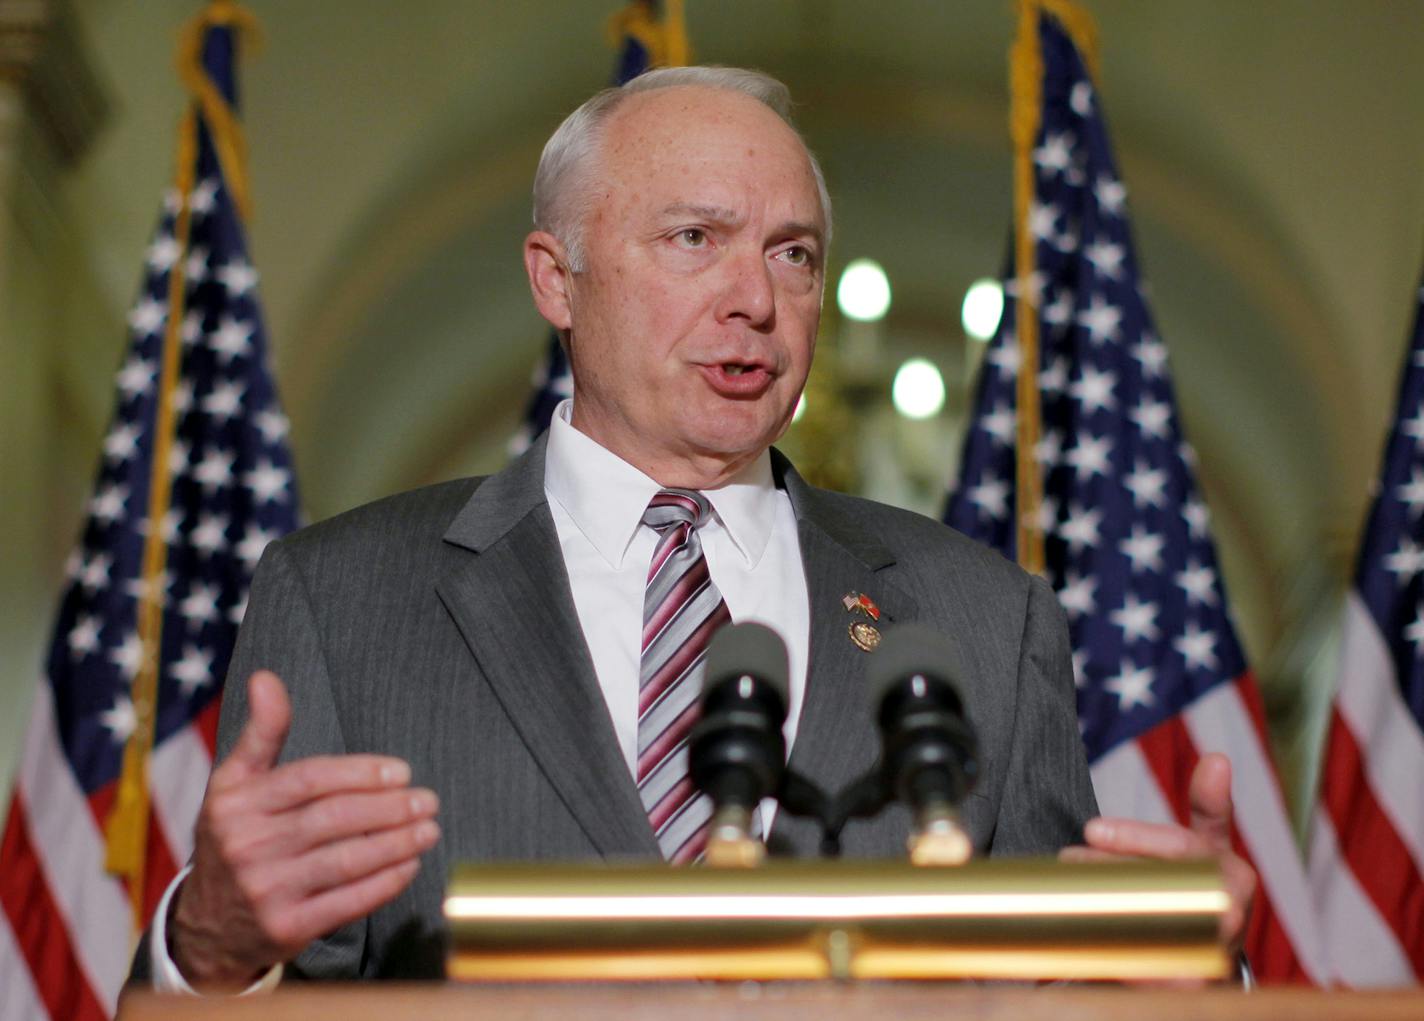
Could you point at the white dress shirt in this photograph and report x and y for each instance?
(597, 501)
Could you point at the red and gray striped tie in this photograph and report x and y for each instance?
(681, 611)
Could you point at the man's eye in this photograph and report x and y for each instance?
(692, 237)
(797, 255)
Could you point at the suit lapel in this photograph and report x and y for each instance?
(509, 595)
(836, 739)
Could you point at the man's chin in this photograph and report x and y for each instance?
(734, 447)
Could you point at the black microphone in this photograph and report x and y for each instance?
(737, 753)
(929, 749)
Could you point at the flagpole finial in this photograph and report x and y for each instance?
(664, 38)
(223, 125)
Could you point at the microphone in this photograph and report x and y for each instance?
(929, 757)
(736, 751)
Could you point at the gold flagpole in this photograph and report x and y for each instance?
(1025, 113)
(126, 829)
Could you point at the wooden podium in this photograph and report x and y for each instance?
(772, 1001)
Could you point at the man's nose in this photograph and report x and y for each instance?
(749, 293)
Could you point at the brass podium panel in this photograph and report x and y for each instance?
(1026, 919)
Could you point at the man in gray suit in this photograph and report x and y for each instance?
(470, 637)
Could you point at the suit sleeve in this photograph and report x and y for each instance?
(281, 632)
(1048, 793)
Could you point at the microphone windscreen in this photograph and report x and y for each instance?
(741, 649)
(911, 649)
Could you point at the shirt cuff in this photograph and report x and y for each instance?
(166, 976)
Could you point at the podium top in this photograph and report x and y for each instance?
(751, 1001)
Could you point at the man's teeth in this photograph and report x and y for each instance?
(734, 370)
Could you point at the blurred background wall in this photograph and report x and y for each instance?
(1272, 151)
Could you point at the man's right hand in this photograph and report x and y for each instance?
(285, 854)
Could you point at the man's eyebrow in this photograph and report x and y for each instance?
(796, 228)
(724, 215)
(712, 214)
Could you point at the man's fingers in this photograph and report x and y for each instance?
(348, 861)
(343, 863)
(273, 837)
(269, 716)
(1210, 798)
(305, 780)
(332, 909)
(1145, 839)
(338, 817)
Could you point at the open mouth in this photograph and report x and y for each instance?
(738, 379)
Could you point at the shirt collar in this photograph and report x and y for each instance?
(606, 496)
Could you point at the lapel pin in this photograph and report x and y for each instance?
(865, 636)
(860, 602)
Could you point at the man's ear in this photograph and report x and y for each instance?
(547, 265)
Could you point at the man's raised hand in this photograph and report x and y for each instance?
(1209, 836)
(285, 854)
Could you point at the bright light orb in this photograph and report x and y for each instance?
(918, 390)
(982, 309)
(864, 291)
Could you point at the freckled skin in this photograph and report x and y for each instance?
(704, 248)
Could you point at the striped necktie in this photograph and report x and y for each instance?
(681, 611)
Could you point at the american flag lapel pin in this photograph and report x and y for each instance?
(864, 635)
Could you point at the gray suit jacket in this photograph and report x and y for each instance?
(439, 626)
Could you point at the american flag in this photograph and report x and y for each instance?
(1161, 676)
(642, 38)
(67, 926)
(1367, 837)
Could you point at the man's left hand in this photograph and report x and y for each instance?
(1209, 836)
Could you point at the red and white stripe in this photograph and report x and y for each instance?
(66, 931)
(1367, 837)
(1148, 779)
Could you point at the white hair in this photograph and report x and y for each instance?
(563, 182)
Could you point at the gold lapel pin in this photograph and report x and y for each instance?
(865, 636)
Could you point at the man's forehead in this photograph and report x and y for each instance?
(659, 133)
(648, 101)
(688, 112)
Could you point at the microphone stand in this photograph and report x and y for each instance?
(938, 839)
(730, 843)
